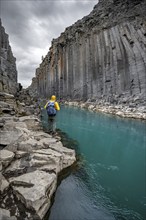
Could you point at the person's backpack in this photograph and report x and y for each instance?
(51, 109)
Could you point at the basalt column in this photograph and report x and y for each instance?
(8, 72)
(102, 56)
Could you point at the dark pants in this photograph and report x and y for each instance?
(51, 123)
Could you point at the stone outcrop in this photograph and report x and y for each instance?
(20, 106)
(30, 161)
(8, 71)
(101, 57)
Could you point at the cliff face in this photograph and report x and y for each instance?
(8, 72)
(102, 56)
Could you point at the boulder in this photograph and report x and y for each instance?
(6, 157)
(35, 189)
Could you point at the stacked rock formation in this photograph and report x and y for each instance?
(30, 161)
(8, 72)
(101, 57)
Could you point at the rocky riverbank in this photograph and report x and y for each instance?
(30, 161)
(126, 111)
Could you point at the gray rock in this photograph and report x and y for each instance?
(8, 81)
(5, 96)
(10, 136)
(53, 160)
(6, 157)
(4, 184)
(35, 190)
(5, 215)
(38, 135)
(47, 141)
(20, 154)
(16, 168)
(67, 154)
(33, 123)
(29, 145)
(0, 166)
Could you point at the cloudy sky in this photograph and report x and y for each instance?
(32, 24)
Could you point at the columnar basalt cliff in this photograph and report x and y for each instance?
(101, 57)
(8, 72)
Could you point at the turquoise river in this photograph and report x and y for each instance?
(109, 181)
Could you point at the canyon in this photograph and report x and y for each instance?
(98, 63)
(101, 57)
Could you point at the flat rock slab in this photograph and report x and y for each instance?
(68, 155)
(29, 145)
(47, 141)
(15, 124)
(33, 123)
(35, 189)
(58, 146)
(9, 136)
(40, 135)
(46, 152)
(48, 160)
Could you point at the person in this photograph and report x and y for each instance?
(52, 107)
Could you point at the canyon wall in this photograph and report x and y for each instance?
(101, 57)
(8, 72)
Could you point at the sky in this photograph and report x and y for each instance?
(31, 26)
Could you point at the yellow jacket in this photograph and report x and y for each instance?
(53, 98)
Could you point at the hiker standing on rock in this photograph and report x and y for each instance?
(52, 107)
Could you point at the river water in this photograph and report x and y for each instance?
(109, 183)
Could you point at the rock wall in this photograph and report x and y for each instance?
(102, 56)
(8, 72)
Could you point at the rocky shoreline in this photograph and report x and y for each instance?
(30, 161)
(120, 110)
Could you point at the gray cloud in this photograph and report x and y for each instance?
(32, 24)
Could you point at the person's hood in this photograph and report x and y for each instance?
(53, 98)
